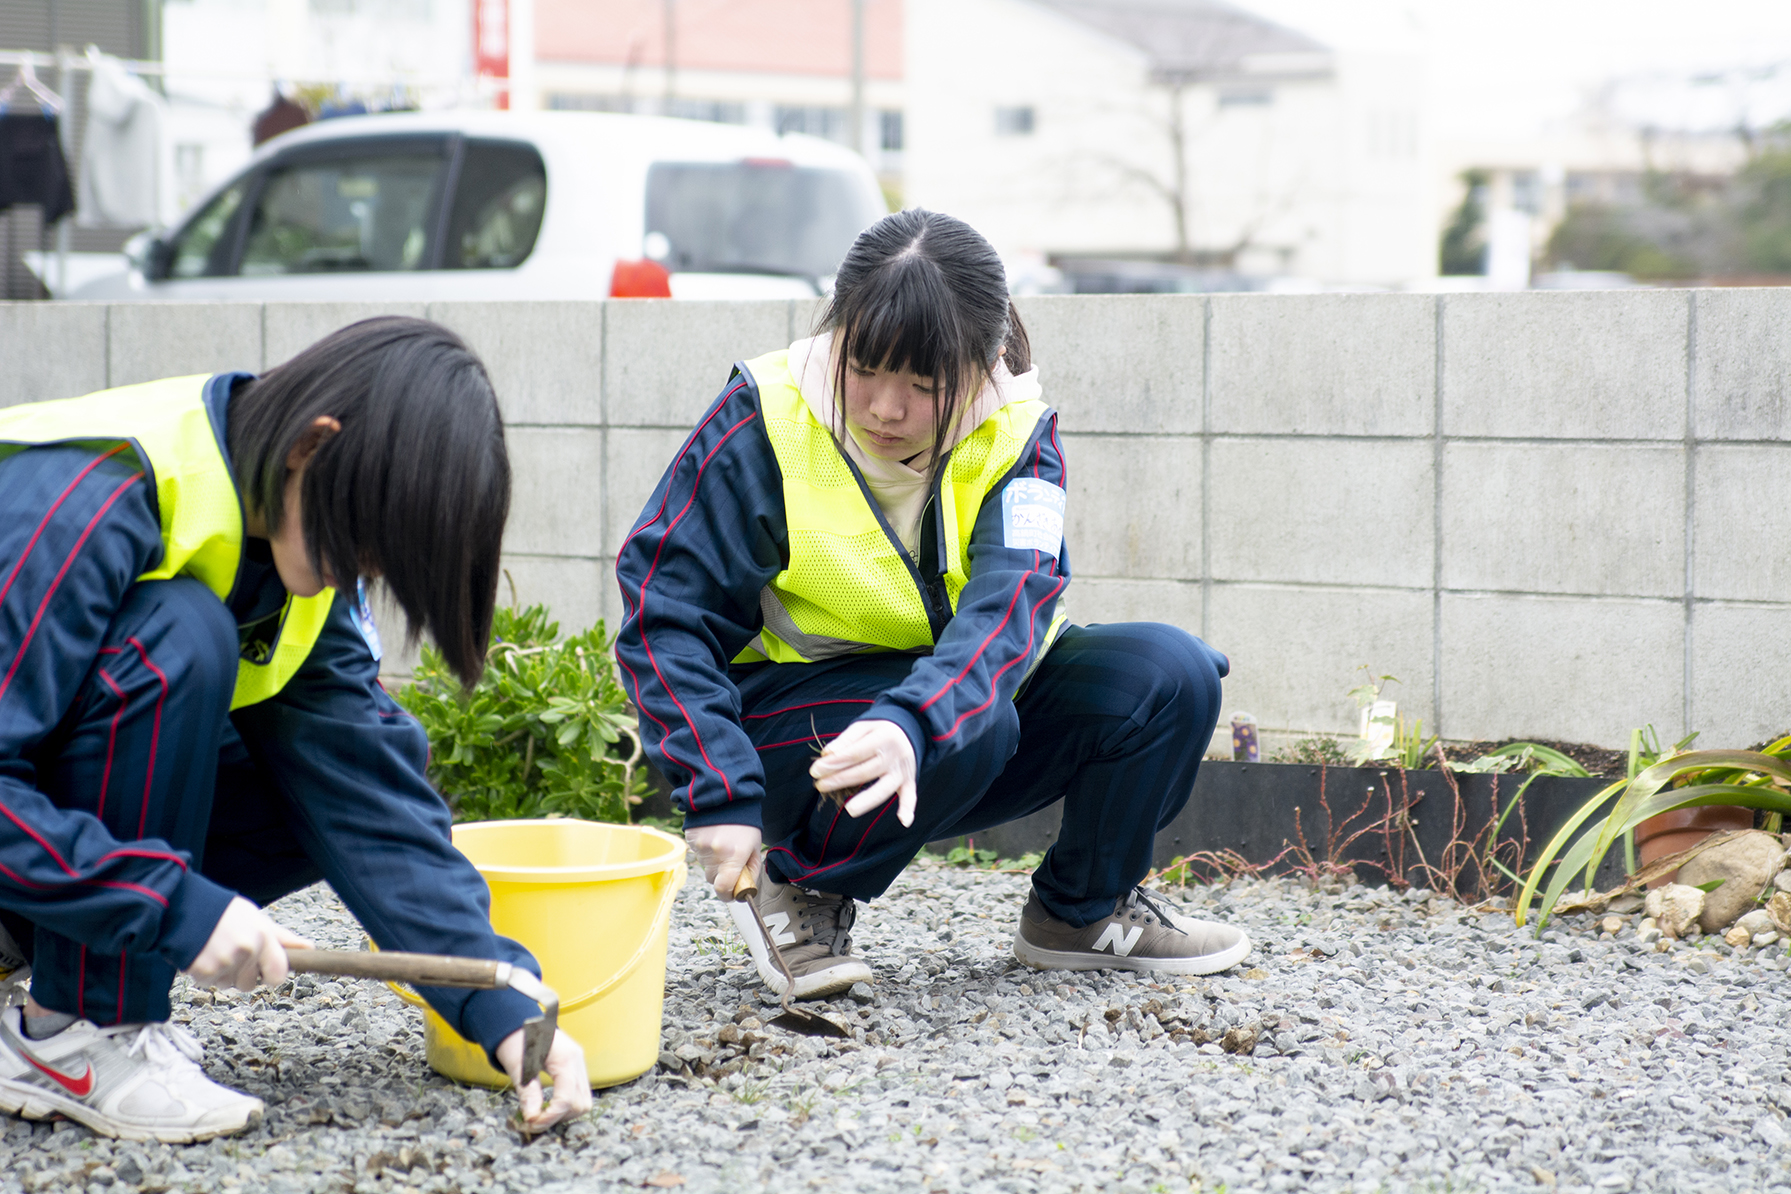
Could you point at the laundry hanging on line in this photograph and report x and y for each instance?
(32, 168)
(124, 175)
(280, 116)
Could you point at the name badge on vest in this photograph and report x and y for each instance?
(1032, 515)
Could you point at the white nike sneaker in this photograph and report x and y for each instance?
(132, 1081)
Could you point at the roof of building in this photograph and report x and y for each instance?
(1202, 40)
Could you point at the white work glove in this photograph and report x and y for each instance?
(565, 1065)
(245, 948)
(724, 851)
(877, 753)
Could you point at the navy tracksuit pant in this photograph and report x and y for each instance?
(1113, 722)
(149, 750)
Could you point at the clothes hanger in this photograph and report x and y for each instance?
(25, 82)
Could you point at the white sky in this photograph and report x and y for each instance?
(1508, 67)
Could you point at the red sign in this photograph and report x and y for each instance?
(491, 43)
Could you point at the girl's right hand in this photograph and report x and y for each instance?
(246, 949)
(724, 851)
(874, 757)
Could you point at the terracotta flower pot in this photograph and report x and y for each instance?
(1683, 828)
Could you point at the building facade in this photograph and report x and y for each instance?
(1182, 130)
(784, 65)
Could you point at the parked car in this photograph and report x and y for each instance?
(512, 205)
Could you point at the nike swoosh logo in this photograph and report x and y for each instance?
(79, 1087)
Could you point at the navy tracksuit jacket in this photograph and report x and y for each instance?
(1113, 721)
(133, 804)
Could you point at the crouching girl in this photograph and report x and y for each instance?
(862, 544)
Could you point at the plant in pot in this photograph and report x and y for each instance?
(1676, 829)
(1697, 779)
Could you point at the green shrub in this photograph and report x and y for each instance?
(547, 730)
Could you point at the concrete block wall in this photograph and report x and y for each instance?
(1549, 514)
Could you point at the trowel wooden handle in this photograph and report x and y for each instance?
(746, 887)
(428, 970)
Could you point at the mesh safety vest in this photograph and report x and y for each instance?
(168, 427)
(850, 585)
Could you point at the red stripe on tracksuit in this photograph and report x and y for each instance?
(37, 619)
(695, 484)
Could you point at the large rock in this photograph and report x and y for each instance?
(1675, 908)
(1744, 865)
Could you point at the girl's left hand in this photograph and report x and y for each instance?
(877, 753)
(565, 1065)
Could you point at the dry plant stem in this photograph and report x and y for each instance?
(840, 796)
(1466, 871)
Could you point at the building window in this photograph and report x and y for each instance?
(715, 111)
(814, 120)
(890, 124)
(1526, 191)
(1246, 97)
(1014, 122)
(563, 101)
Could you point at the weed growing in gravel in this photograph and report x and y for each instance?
(801, 1106)
(751, 1092)
(969, 856)
(720, 944)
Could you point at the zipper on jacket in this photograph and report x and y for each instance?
(936, 619)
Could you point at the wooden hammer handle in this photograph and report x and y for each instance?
(746, 887)
(426, 970)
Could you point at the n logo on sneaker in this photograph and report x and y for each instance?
(778, 925)
(79, 1087)
(1119, 939)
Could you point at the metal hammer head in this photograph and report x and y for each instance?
(537, 1031)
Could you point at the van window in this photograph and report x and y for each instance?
(753, 217)
(497, 206)
(349, 214)
(196, 251)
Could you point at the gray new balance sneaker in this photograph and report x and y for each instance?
(133, 1081)
(813, 931)
(1141, 934)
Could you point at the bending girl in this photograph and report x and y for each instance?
(191, 721)
(863, 541)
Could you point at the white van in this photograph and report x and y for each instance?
(513, 205)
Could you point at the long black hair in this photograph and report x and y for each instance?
(925, 293)
(413, 490)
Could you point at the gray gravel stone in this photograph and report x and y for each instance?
(1400, 1043)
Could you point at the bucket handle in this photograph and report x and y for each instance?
(660, 919)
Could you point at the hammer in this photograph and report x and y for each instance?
(437, 970)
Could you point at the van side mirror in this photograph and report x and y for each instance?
(149, 255)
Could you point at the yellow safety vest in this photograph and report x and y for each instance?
(167, 425)
(850, 586)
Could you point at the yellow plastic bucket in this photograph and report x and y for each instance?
(593, 903)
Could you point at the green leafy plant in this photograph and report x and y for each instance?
(1409, 743)
(1689, 779)
(1407, 746)
(1317, 751)
(1533, 757)
(970, 856)
(548, 730)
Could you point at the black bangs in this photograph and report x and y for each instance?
(902, 318)
(414, 489)
(924, 293)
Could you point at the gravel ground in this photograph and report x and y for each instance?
(1402, 1043)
